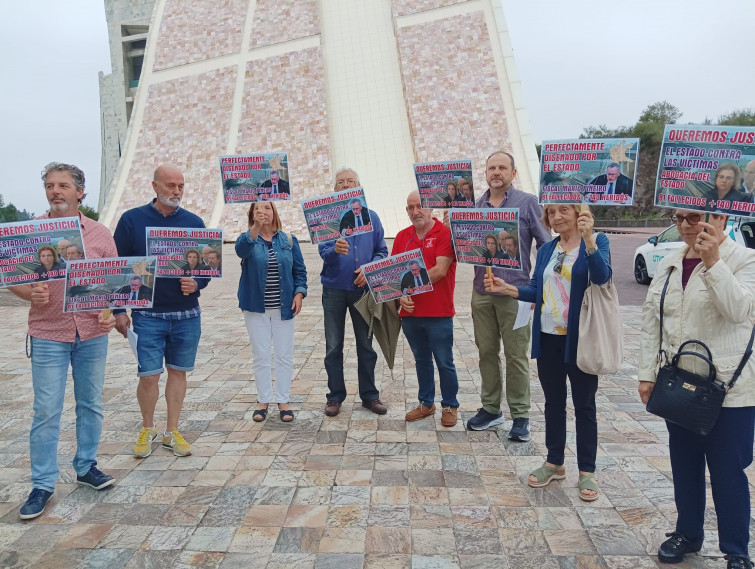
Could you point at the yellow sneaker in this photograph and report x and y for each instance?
(176, 443)
(143, 446)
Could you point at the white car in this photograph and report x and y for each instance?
(647, 256)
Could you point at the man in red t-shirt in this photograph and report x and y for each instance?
(427, 318)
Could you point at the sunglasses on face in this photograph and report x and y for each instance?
(692, 218)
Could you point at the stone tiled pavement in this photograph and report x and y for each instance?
(352, 491)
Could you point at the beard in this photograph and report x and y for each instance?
(62, 208)
(169, 201)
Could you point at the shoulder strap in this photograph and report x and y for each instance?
(661, 351)
(745, 357)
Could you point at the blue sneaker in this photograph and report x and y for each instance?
(520, 430)
(96, 479)
(484, 420)
(35, 504)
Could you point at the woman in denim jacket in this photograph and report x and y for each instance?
(271, 289)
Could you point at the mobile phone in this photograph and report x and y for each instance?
(707, 219)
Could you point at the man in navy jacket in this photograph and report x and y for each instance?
(170, 330)
(342, 285)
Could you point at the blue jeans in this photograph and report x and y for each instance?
(49, 371)
(176, 340)
(334, 304)
(433, 337)
(727, 450)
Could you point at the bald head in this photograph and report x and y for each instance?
(168, 183)
(165, 170)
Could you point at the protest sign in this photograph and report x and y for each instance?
(487, 237)
(445, 184)
(335, 215)
(186, 251)
(36, 250)
(399, 275)
(114, 282)
(255, 177)
(701, 167)
(600, 171)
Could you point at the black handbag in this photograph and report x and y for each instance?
(684, 398)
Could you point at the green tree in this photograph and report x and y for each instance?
(661, 113)
(10, 213)
(743, 117)
(90, 212)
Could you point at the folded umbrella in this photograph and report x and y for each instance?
(384, 322)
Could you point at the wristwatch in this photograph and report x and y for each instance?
(592, 251)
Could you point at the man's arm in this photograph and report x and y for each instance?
(440, 269)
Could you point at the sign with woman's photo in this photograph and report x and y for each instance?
(487, 237)
(707, 168)
(115, 282)
(445, 184)
(599, 171)
(186, 252)
(255, 177)
(336, 215)
(399, 275)
(37, 250)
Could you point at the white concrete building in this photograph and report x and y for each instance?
(372, 84)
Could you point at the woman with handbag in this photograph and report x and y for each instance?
(557, 288)
(271, 289)
(705, 292)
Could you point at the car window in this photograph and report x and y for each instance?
(671, 234)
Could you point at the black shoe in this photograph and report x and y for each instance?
(484, 420)
(520, 430)
(738, 562)
(676, 547)
(35, 504)
(95, 479)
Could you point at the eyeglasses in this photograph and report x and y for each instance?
(559, 262)
(692, 218)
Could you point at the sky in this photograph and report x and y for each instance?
(581, 63)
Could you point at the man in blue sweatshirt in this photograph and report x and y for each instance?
(170, 330)
(342, 285)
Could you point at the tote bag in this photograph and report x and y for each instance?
(600, 347)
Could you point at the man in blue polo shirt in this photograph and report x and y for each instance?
(342, 285)
(170, 330)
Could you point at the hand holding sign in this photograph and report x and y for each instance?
(106, 321)
(40, 294)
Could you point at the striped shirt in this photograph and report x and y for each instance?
(272, 284)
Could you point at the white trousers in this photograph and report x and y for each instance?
(268, 334)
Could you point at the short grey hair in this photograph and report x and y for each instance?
(509, 154)
(341, 171)
(613, 165)
(75, 172)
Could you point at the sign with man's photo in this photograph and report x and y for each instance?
(255, 177)
(115, 282)
(396, 276)
(336, 215)
(598, 171)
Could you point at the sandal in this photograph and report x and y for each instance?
(259, 415)
(287, 416)
(587, 482)
(545, 474)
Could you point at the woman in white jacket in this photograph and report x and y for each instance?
(710, 298)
